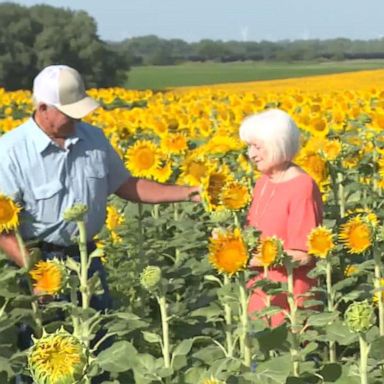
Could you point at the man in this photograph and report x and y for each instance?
(54, 160)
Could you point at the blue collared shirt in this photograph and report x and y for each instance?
(46, 179)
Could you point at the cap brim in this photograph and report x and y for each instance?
(79, 109)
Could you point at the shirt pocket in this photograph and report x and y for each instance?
(97, 183)
(48, 199)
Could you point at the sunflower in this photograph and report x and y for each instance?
(174, 143)
(331, 149)
(351, 270)
(49, 277)
(9, 214)
(320, 242)
(162, 174)
(227, 251)
(114, 218)
(213, 184)
(57, 358)
(356, 235)
(235, 196)
(194, 170)
(268, 252)
(142, 158)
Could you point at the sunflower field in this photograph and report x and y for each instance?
(178, 272)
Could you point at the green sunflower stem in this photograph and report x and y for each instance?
(34, 304)
(341, 193)
(140, 225)
(84, 289)
(228, 323)
(236, 219)
(330, 304)
(292, 309)
(244, 339)
(165, 328)
(379, 293)
(268, 296)
(364, 352)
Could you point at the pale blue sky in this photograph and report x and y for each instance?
(251, 20)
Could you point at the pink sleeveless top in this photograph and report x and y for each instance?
(288, 210)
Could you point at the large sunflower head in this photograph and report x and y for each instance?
(320, 242)
(9, 214)
(49, 277)
(235, 195)
(57, 358)
(269, 251)
(194, 169)
(142, 158)
(356, 235)
(227, 251)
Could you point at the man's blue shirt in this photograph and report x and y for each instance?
(46, 179)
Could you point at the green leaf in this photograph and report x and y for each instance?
(183, 348)
(322, 319)
(272, 338)
(377, 348)
(120, 357)
(331, 372)
(274, 371)
(151, 337)
(339, 332)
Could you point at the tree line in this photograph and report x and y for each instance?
(33, 37)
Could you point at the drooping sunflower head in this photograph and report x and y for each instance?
(356, 235)
(269, 251)
(142, 158)
(9, 214)
(235, 195)
(228, 252)
(57, 358)
(320, 242)
(49, 277)
(213, 185)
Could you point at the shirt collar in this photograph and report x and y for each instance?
(43, 141)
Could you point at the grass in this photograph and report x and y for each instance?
(189, 74)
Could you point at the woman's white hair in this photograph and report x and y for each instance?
(276, 129)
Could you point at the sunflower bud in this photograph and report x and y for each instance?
(360, 316)
(57, 358)
(76, 212)
(220, 216)
(150, 277)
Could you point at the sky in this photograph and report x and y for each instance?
(241, 20)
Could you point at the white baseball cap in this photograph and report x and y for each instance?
(63, 87)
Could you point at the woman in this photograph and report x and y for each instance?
(286, 201)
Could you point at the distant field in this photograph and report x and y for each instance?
(189, 74)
